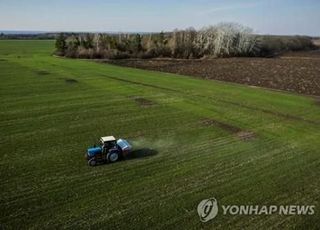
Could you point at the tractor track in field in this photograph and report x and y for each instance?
(142, 84)
(278, 114)
(282, 115)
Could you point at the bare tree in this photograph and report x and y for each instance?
(222, 40)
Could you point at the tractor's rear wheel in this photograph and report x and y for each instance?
(113, 157)
(92, 162)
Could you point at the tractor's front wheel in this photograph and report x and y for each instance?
(92, 162)
(113, 157)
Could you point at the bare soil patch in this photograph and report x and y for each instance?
(143, 102)
(71, 81)
(296, 71)
(219, 124)
(42, 72)
(236, 131)
(246, 135)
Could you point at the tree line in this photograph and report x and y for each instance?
(222, 40)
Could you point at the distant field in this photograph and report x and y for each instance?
(197, 139)
(294, 71)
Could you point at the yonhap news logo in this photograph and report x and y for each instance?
(208, 209)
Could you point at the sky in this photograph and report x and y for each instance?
(263, 16)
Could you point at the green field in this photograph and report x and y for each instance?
(189, 138)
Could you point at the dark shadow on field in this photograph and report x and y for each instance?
(70, 81)
(135, 154)
(42, 72)
(141, 153)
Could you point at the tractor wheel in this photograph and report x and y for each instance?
(92, 162)
(113, 157)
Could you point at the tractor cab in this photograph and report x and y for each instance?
(108, 143)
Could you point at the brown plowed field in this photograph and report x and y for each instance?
(296, 71)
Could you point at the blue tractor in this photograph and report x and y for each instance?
(109, 151)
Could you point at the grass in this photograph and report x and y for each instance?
(52, 109)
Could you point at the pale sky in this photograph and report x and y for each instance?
(263, 16)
